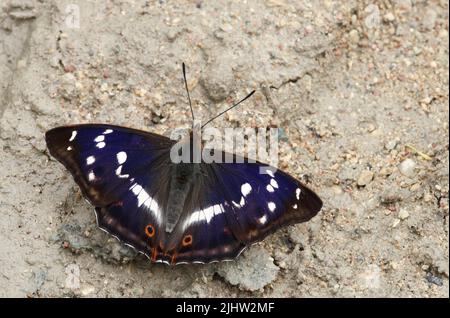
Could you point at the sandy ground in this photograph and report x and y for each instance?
(358, 88)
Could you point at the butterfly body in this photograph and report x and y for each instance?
(177, 212)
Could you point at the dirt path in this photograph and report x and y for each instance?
(359, 89)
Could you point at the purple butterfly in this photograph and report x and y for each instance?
(177, 212)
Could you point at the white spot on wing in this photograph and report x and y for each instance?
(74, 134)
(99, 138)
(119, 173)
(297, 193)
(295, 206)
(270, 172)
(270, 188)
(107, 131)
(246, 188)
(91, 176)
(272, 206)
(141, 194)
(90, 160)
(121, 157)
(69, 148)
(274, 183)
(263, 219)
(154, 207)
(205, 215)
(144, 198)
(100, 145)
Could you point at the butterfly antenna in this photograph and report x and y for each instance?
(189, 96)
(220, 114)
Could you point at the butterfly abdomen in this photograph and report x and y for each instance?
(181, 180)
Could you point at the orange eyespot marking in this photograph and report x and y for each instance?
(150, 230)
(187, 240)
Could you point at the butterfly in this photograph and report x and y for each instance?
(177, 212)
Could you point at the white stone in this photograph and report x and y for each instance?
(407, 167)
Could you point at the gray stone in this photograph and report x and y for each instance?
(253, 270)
(391, 144)
(434, 279)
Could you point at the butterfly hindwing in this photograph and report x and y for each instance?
(203, 233)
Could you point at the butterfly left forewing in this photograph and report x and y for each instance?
(121, 172)
(102, 158)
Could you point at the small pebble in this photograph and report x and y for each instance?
(407, 167)
(282, 265)
(104, 87)
(389, 17)
(443, 33)
(140, 92)
(434, 280)
(391, 144)
(404, 5)
(69, 68)
(87, 290)
(403, 214)
(386, 171)
(365, 177)
(395, 223)
(354, 36)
